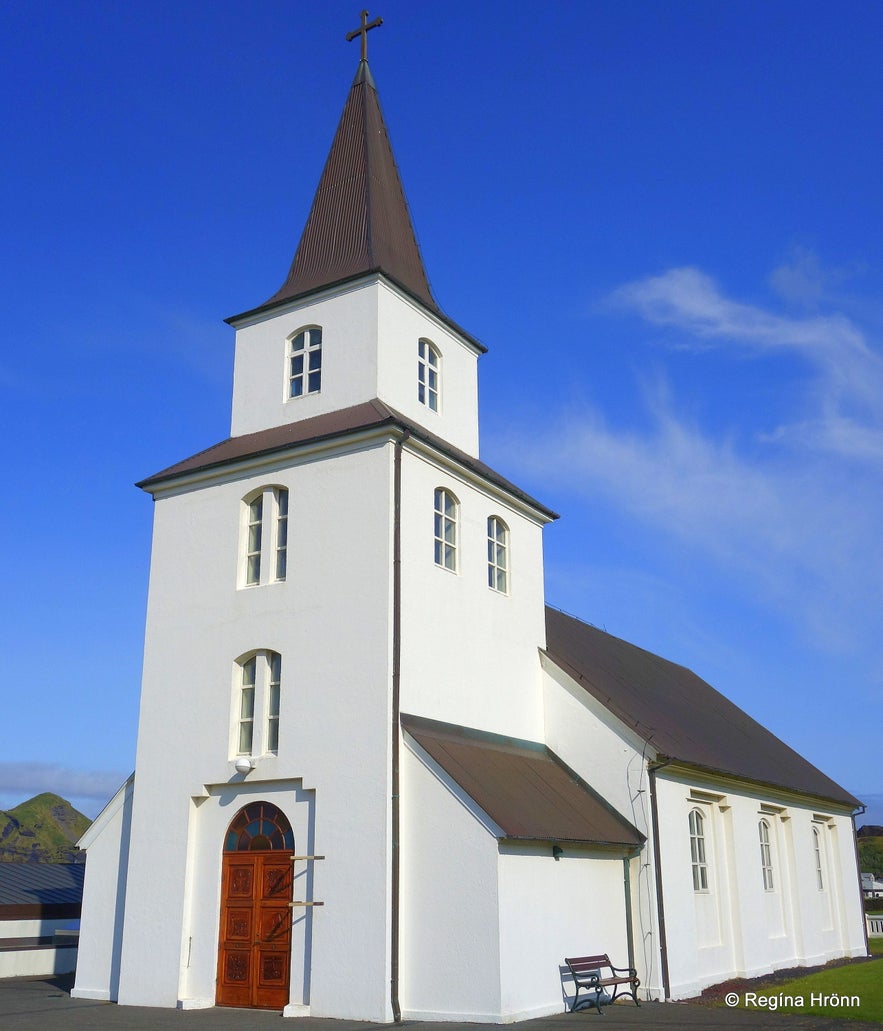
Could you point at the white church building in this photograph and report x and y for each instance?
(376, 776)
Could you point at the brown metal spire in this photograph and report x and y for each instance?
(359, 221)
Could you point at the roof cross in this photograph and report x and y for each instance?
(363, 32)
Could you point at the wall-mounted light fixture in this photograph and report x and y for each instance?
(243, 765)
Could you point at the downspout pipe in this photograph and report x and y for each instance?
(862, 809)
(627, 887)
(652, 768)
(395, 873)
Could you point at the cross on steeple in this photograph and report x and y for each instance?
(363, 32)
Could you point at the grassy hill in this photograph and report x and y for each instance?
(41, 830)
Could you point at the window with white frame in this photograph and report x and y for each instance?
(497, 555)
(698, 851)
(766, 855)
(817, 851)
(304, 362)
(257, 704)
(445, 529)
(264, 534)
(428, 369)
(281, 542)
(248, 677)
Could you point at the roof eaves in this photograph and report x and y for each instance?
(847, 800)
(168, 475)
(296, 298)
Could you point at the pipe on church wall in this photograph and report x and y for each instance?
(660, 904)
(627, 882)
(396, 729)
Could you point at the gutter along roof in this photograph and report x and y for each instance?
(522, 786)
(681, 716)
(339, 424)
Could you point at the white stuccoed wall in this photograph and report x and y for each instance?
(334, 726)
(104, 896)
(612, 759)
(737, 928)
(550, 909)
(450, 931)
(370, 333)
(486, 924)
(469, 653)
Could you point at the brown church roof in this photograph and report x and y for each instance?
(522, 786)
(359, 221)
(678, 713)
(342, 423)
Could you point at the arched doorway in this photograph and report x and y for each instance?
(254, 948)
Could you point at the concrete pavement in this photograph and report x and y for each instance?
(44, 1004)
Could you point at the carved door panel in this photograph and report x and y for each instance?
(254, 953)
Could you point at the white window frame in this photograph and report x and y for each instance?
(699, 850)
(303, 363)
(264, 536)
(257, 695)
(766, 855)
(497, 555)
(818, 851)
(429, 375)
(446, 529)
(245, 709)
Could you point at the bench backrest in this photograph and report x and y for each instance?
(580, 964)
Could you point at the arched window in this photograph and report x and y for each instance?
(258, 699)
(766, 855)
(697, 851)
(445, 529)
(428, 369)
(497, 554)
(817, 850)
(264, 536)
(305, 362)
(259, 827)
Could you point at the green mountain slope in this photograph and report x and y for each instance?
(41, 830)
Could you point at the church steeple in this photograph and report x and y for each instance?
(359, 222)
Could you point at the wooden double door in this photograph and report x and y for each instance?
(254, 953)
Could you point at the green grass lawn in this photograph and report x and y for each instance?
(855, 988)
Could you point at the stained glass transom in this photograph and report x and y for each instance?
(259, 827)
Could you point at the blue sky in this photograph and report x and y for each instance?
(664, 221)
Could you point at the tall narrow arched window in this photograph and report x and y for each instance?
(264, 550)
(257, 704)
(445, 529)
(305, 362)
(766, 855)
(817, 851)
(698, 851)
(497, 554)
(428, 374)
(248, 683)
(254, 537)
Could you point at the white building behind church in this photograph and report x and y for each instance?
(376, 776)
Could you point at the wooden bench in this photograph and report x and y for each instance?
(587, 973)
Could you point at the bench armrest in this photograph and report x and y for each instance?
(626, 970)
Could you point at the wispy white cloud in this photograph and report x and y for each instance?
(847, 415)
(795, 515)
